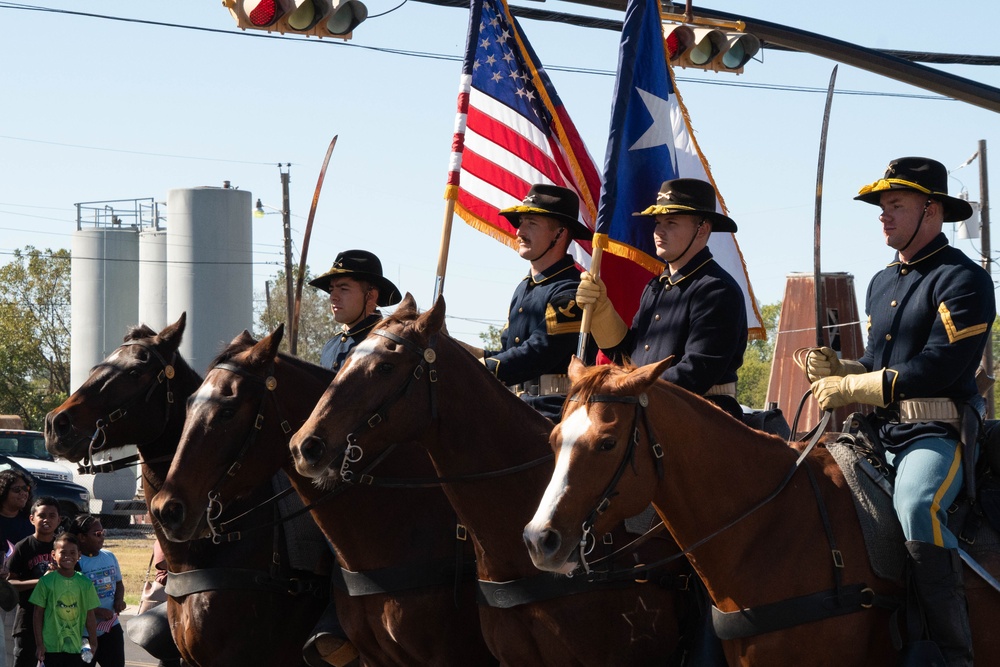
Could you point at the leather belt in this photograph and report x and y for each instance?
(914, 410)
(728, 389)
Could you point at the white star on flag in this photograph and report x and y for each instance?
(660, 133)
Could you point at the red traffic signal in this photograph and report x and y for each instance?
(322, 18)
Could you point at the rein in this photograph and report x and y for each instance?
(163, 377)
(641, 402)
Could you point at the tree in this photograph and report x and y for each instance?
(34, 333)
(755, 374)
(316, 324)
(491, 338)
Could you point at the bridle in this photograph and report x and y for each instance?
(353, 453)
(641, 402)
(99, 439)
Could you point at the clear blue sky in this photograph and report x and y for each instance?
(95, 109)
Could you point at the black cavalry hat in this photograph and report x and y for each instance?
(693, 197)
(362, 265)
(919, 174)
(554, 202)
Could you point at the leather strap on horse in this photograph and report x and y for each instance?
(797, 611)
(180, 584)
(402, 577)
(507, 594)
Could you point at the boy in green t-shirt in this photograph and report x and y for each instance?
(64, 602)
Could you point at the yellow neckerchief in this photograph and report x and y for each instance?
(344, 331)
(545, 277)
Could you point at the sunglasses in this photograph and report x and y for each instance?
(20, 489)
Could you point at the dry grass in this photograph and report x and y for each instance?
(132, 547)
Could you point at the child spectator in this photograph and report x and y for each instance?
(29, 561)
(101, 567)
(64, 602)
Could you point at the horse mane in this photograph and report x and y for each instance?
(138, 332)
(594, 377)
(315, 370)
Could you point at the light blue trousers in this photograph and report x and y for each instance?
(928, 479)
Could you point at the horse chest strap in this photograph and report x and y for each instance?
(796, 611)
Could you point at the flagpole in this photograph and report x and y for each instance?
(442, 267)
(588, 310)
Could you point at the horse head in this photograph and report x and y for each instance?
(233, 439)
(387, 383)
(128, 397)
(595, 449)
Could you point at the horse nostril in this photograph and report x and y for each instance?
(549, 541)
(170, 514)
(312, 450)
(58, 424)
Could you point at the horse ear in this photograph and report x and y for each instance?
(576, 369)
(172, 333)
(431, 322)
(645, 376)
(407, 304)
(267, 348)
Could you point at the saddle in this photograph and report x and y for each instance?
(974, 517)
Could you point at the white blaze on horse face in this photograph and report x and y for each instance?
(360, 351)
(572, 429)
(200, 397)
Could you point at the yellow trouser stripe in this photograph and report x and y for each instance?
(956, 465)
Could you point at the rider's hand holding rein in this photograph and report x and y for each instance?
(823, 362)
(835, 392)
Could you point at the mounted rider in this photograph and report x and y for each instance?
(929, 317)
(543, 321)
(357, 290)
(694, 310)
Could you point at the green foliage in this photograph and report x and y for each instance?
(316, 324)
(491, 337)
(755, 374)
(34, 333)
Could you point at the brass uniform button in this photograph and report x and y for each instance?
(888, 336)
(657, 317)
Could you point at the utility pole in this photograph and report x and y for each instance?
(286, 223)
(984, 219)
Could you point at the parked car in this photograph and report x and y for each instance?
(25, 451)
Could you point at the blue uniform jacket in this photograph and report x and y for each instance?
(337, 348)
(698, 314)
(928, 324)
(543, 326)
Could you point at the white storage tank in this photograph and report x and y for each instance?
(209, 268)
(153, 279)
(104, 275)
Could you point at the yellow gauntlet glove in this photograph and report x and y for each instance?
(835, 392)
(822, 362)
(606, 326)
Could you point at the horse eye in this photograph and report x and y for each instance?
(607, 444)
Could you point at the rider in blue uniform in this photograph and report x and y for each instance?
(694, 310)
(543, 321)
(929, 318)
(357, 288)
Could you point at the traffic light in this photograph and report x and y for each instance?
(322, 18)
(709, 48)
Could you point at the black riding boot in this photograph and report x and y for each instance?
(937, 575)
(328, 644)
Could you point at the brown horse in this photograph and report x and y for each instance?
(137, 396)
(408, 382)
(752, 520)
(402, 538)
